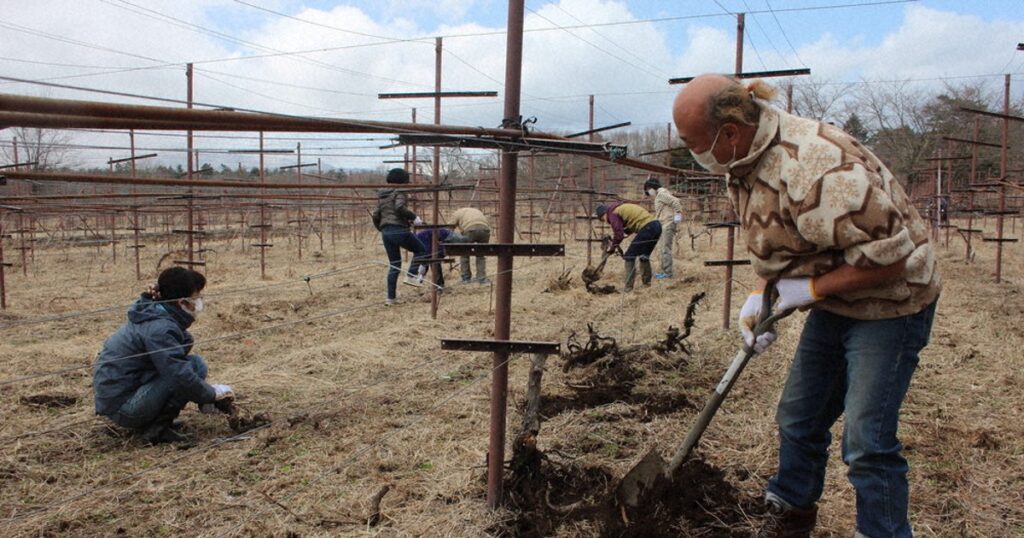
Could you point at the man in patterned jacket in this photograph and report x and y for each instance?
(825, 219)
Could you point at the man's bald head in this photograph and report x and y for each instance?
(693, 104)
(719, 114)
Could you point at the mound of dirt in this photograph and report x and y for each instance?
(699, 501)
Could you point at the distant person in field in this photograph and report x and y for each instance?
(393, 218)
(626, 219)
(444, 235)
(669, 212)
(472, 225)
(826, 220)
(146, 374)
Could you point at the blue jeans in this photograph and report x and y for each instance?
(644, 242)
(861, 368)
(396, 238)
(153, 397)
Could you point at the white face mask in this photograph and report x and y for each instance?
(651, 192)
(707, 160)
(197, 305)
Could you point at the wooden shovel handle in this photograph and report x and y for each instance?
(765, 323)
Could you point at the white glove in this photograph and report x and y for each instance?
(417, 221)
(748, 320)
(209, 409)
(677, 218)
(222, 391)
(795, 292)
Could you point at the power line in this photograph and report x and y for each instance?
(606, 38)
(768, 37)
(162, 17)
(59, 64)
(40, 33)
(329, 27)
(592, 44)
(745, 33)
(783, 30)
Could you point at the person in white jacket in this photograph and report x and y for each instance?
(669, 211)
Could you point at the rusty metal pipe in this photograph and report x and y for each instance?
(503, 278)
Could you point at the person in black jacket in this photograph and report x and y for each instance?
(393, 219)
(145, 374)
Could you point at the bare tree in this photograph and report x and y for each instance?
(823, 100)
(48, 148)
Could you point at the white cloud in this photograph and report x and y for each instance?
(626, 66)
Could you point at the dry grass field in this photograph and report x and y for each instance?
(361, 396)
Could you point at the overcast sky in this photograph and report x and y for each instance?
(332, 58)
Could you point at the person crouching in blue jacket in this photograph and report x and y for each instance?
(145, 374)
(444, 235)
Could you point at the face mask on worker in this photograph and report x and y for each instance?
(651, 192)
(195, 305)
(707, 159)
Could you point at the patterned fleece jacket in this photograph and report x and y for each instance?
(811, 198)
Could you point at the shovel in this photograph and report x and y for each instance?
(652, 473)
(593, 274)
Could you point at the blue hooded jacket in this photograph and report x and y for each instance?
(442, 236)
(154, 342)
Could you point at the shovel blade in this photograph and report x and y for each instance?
(640, 479)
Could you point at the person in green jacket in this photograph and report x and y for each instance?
(625, 218)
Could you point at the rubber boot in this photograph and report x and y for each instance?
(645, 271)
(630, 275)
(163, 430)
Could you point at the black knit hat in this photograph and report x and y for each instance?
(600, 210)
(397, 175)
(652, 183)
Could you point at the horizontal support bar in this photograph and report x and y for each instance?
(186, 262)
(969, 230)
(193, 232)
(136, 246)
(997, 240)
(262, 245)
(731, 224)
(753, 74)
(600, 129)
(510, 346)
(497, 249)
(126, 159)
(425, 95)
(991, 114)
(722, 263)
(972, 142)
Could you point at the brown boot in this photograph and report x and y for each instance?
(793, 523)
